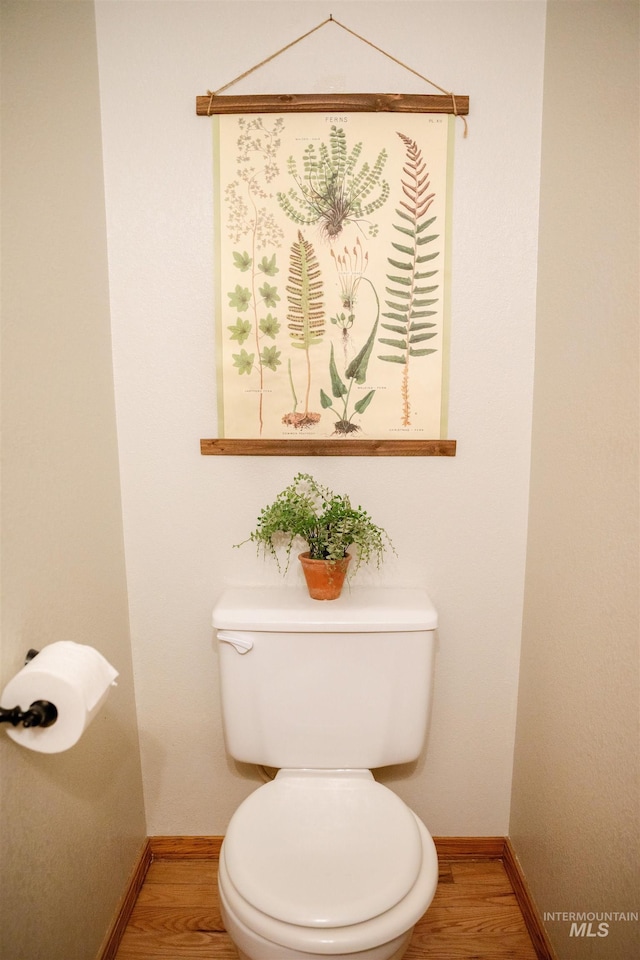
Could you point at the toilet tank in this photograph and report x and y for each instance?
(325, 684)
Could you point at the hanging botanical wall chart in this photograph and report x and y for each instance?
(332, 270)
(332, 274)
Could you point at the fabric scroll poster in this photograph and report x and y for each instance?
(332, 274)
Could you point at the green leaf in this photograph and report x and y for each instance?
(240, 330)
(268, 267)
(393, 359)
(340, 320)
(405, 230)
(403, 307)
(395, 316)
(420, 353)
(240, 298)
(243, 361)
(338, 389)
(400, 344)
(422, 336)
(242, 261)
(269, 326)
(401, 330)
(421, 240)
(357, 369)
(405, 281)
(269, 295)
(362, 405)
(398, 293)
(408, 250)
(400, 264)
(270, 357)
(325, 400)
(420, 326)
(427, 223)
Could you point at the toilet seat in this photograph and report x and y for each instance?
(363, 841)
(281, 940)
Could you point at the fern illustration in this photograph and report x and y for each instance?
(355, 372)
(306, 315)
(252, 300)
(411, 300)
(331, 191)
(249, 220)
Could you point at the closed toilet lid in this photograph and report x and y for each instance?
(323, 849)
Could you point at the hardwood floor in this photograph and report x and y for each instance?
(474, 916)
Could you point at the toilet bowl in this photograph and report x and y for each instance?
(325, 864)
(324, 861)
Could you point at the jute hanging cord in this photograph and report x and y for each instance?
(211, 108)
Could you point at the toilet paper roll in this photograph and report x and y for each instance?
(72, 676)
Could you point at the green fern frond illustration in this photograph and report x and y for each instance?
(329, 191)
(410, 298)
(304, 293)
(306, 314)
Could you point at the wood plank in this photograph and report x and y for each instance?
(462, 848)
(463, 941)
(181, 871)
(486, 872)
(173, 919)
(141, 945)
(210, 104)
(473, 895)
(180, 848)
(231, 447)
(485, 919)
(194, 894)
(116, 931)
(535, 928)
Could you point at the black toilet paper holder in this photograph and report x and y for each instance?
(41, 713)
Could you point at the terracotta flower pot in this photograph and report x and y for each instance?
(325, 578)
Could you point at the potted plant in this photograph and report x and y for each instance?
(329, 525)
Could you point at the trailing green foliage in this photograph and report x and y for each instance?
(326, 521)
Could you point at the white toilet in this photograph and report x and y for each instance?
(323, 861)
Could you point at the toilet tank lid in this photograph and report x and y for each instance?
(358, 610)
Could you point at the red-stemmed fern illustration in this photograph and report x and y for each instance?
(410, 299)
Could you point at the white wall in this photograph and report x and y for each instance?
(459, 524)
(72, 823)
(574, 820)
